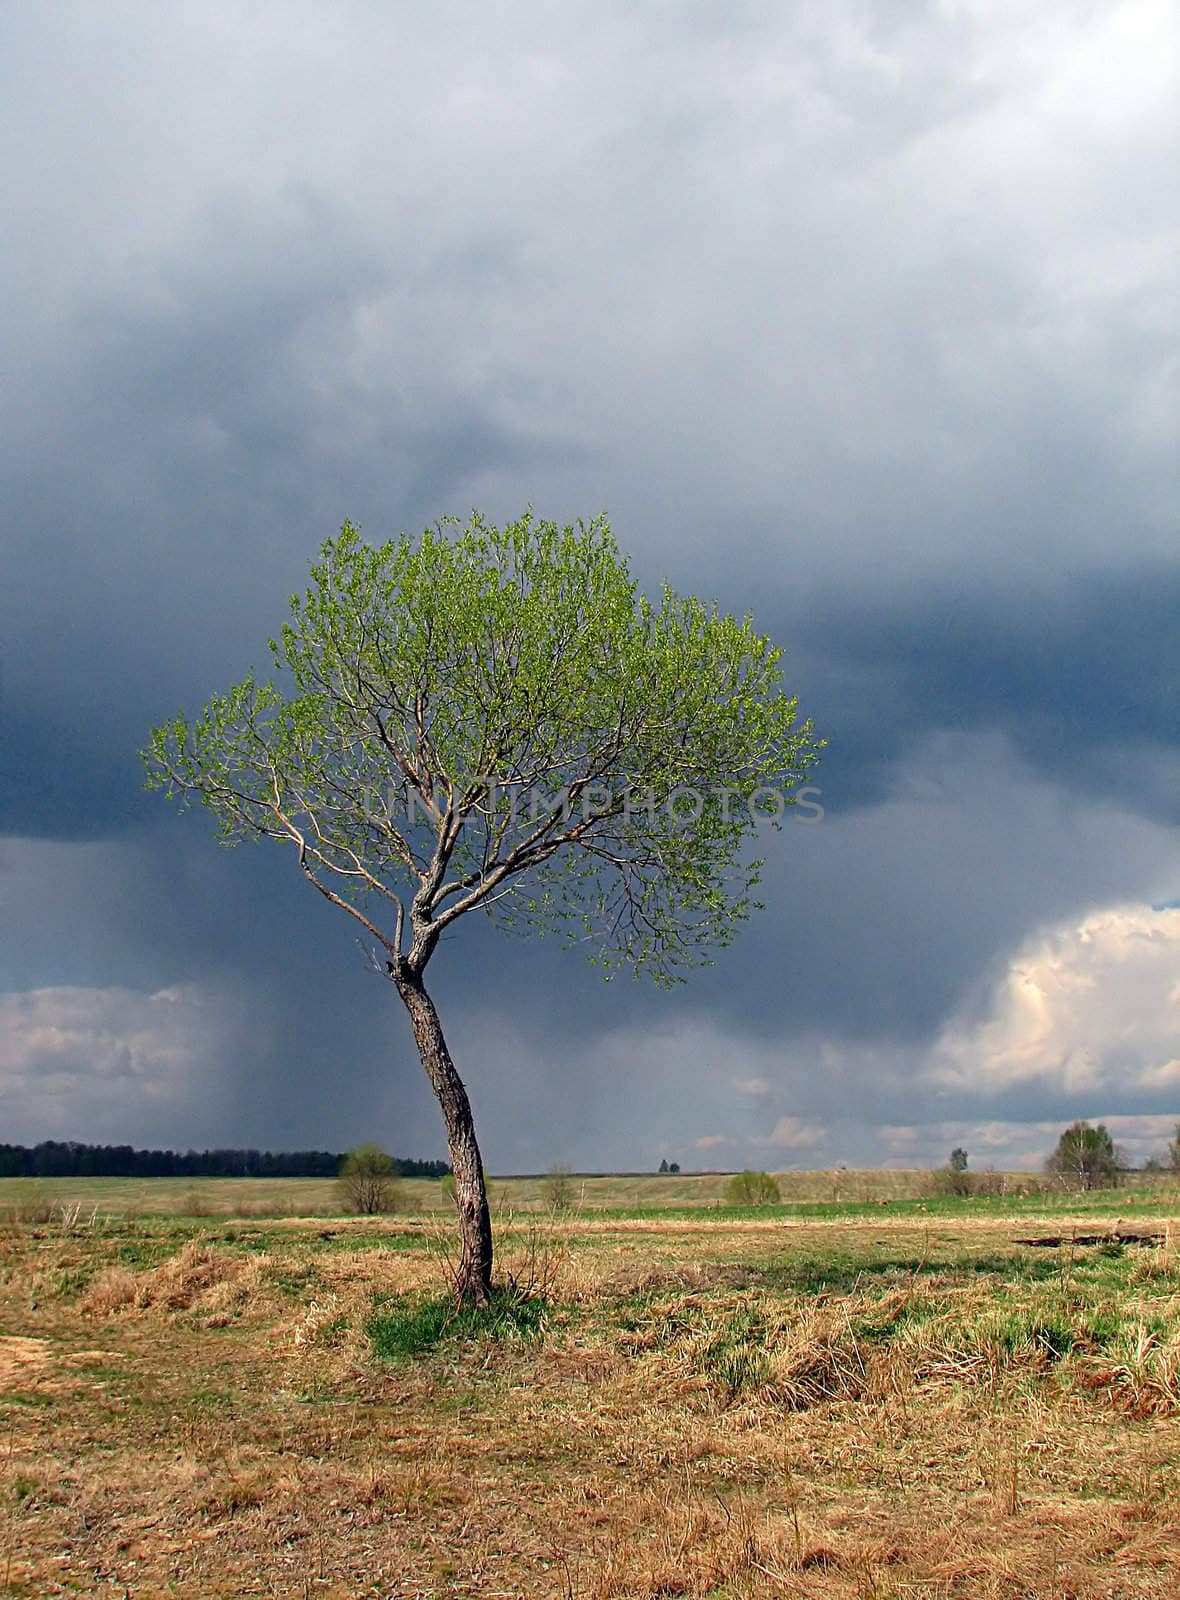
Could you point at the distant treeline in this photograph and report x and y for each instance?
(54, 1158)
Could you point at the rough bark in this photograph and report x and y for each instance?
(473, 1279)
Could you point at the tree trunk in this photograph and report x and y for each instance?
(473, 1280)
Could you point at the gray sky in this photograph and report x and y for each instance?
(861, 316)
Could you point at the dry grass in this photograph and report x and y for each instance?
(867, 1410)
(196, 1278)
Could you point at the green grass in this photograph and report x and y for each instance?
(1125, 1204)
(693, 1197)
(735, 1355)
(414, 1325)
(111, 1204)
(296, 1279)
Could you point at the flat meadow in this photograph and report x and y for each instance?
(214, 1388)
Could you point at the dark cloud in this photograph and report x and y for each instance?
(857, 318)
(1079, 674)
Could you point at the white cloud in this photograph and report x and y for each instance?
(1087, 1005)
(792, 1133)
(1165, 1076)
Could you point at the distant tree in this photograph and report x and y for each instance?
(1174, 1149)
(497, 721)
(958, 1160)
(558, 1189)
(663, 1166)
(674, 1166)
(368, 1181)
(1086, 1156)
(752, 1189)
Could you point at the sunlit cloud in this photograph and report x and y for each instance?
(1088, 1006)
(792, 1133)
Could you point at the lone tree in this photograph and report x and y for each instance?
(1086, 1156)
(496, 720)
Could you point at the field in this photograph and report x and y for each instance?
(314, 1197)
(858, 1397)
(317, 1197)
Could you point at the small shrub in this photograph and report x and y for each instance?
(952, 1181)
(558, 1189)
(368, 1181)
(752, 1189)
(991, 1185)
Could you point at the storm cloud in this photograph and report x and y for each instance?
(860, 317)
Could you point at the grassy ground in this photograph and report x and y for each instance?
(830, 1192)
(871, 1406)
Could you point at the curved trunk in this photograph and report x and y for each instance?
(473, 1280)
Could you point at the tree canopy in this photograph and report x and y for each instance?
(459, 709)
(1086, 1155)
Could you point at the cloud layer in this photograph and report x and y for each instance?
(858, 316)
